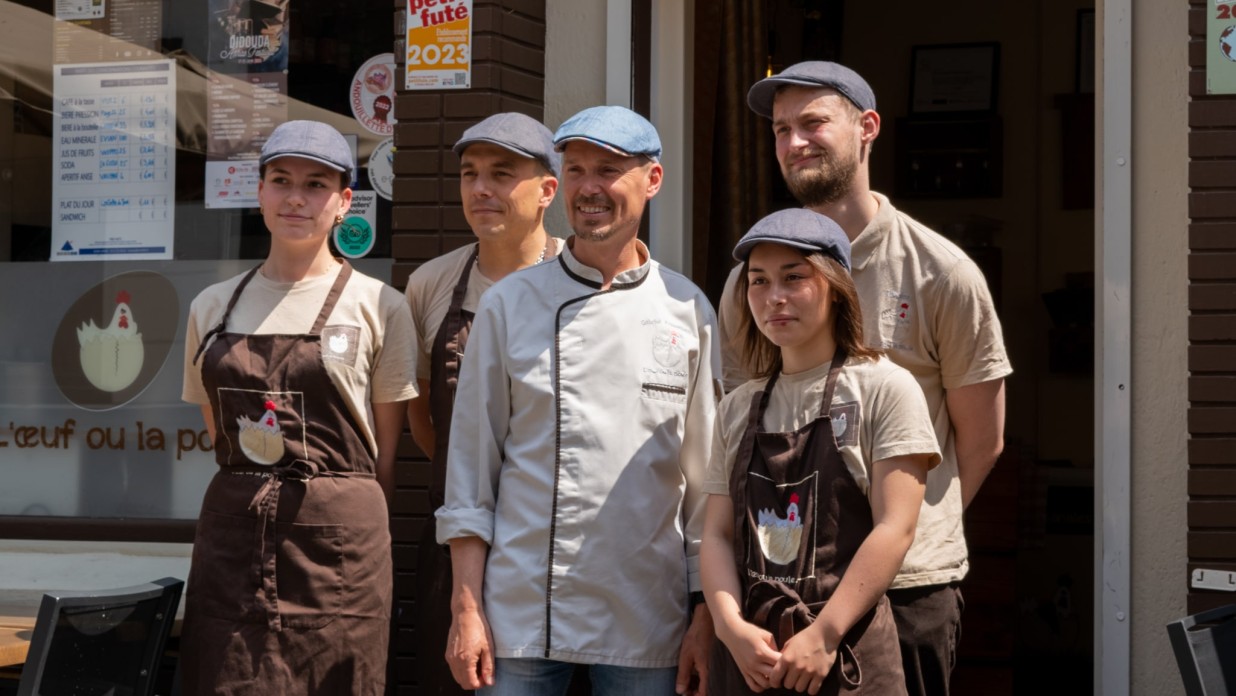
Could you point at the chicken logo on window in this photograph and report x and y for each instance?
(112, 357)
(261, 440)
(111, 341)
(780, 537)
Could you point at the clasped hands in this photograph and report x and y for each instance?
(801, 665)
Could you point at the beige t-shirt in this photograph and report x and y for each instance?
(927, 306)
(878, 412)
(371, 359)
(734, 371)
(429, 293)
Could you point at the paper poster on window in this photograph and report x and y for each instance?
(1221, 47)
(80, 9)
(439, 44)
(113, 173)
(246, 94)
(95, 31)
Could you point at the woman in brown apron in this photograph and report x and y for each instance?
(808, 520)
(290, 585)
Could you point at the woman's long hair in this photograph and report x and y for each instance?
(763, 357)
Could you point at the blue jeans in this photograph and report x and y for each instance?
(531, 676)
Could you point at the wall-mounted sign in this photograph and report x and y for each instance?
(382, 168)
(1221, 47)
(355, 236)
(439, 44)
(372, 94)
(114, 177)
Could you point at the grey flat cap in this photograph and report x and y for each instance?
(614, 128)
(812, 73)
(801, 229)
(312, 140)
(523, 135)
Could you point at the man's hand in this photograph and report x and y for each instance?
(694, 655)
(469, 650)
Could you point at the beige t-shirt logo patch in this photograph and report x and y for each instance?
(339, 344)
(846, 421)
(898, 310)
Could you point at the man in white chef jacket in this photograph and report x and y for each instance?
(580, 435)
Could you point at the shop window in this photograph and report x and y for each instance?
(128, 139)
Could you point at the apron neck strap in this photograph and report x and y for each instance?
(231, 304)
(332, 297)
(461, 285)
(834, 370)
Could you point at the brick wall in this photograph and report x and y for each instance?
(1212, 322)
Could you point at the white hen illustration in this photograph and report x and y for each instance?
(338, 343)
(112, 358)
(261, 440)
(780, 537)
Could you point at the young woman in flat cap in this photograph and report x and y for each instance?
(303, 368)
(816, 478)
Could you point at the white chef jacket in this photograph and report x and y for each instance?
(581, 433)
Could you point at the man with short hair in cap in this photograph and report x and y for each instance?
(581, 432)
(927, 306)
(508, 172)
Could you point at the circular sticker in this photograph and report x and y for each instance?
(354, 237)
(382, 168)
(112, 342)
(373, 94)
(1227, 43)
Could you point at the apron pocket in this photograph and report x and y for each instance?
(309, 573)
(226, 582)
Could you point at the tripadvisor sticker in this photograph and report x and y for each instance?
(355, 236)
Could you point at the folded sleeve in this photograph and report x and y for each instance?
(479, 425)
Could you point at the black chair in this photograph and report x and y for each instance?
(108, 642)
(1205, 647)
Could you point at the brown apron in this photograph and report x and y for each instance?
(290, 585)
(433, 566)
(799, 518)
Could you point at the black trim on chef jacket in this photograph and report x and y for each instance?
(553, 518)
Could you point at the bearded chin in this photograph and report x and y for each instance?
(819, 187)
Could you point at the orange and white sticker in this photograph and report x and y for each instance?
(439, 44)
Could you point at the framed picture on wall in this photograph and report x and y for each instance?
(951, 78)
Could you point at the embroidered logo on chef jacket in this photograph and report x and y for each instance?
(339, 344)
(846, 419)
(667, 347)
(781, 529)
(261, 440)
